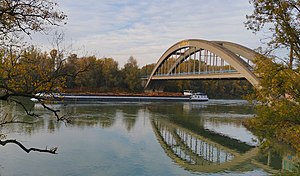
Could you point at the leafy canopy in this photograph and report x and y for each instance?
(26, 16)
(282, 19)
(278, 112)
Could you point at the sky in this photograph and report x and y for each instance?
(145, 29)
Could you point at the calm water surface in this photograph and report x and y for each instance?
(139, 139)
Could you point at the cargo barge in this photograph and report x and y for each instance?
(65, 98)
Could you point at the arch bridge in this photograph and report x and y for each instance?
(202, 59)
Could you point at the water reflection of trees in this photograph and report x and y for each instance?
(82, 116)
(103, 116)
(130, 117)
(12, 120)
(11, 112)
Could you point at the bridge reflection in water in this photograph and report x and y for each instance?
(193, 152)
(190, 148)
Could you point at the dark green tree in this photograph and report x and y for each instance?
(132, 76)
(110, 74)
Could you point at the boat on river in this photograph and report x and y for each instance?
(73, 98)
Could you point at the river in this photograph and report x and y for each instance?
(205, 138)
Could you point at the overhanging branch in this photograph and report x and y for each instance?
(28, 150)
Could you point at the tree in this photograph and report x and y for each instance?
(31, 72)
(27, 71)
(27, 16)
(110, 73)
(281, 17)
(71, 66)
(86, 78)
(147, 70)
(26, 75)
(132, 77)
(23, 17)
(279, 90)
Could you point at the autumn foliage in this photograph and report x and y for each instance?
(30, 72)
(278, 105)
(278, 95)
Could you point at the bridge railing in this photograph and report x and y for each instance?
(197, 73)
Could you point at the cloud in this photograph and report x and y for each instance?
(145, 29)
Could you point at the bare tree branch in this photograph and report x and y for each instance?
(55, 112)
(28, 150)
(28, 112)
(10, 122)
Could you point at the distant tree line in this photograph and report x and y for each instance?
(34, 71)
(105, 75)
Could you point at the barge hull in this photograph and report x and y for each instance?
(93, 99)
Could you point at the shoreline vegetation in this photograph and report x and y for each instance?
(211, 88)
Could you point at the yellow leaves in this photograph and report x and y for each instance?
(290, 134)
(32, 72)
(277, 81)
